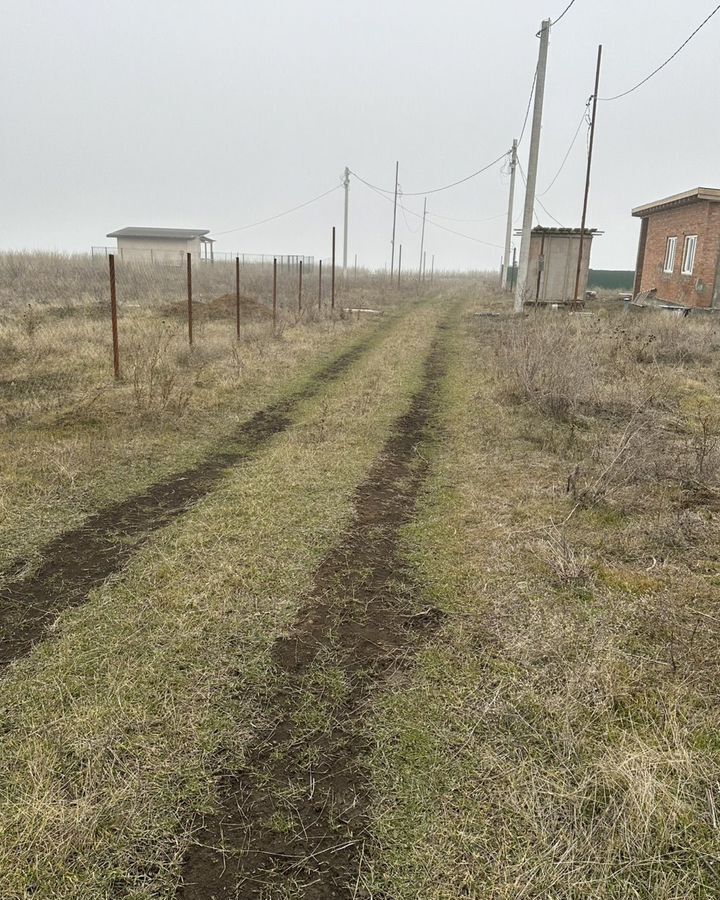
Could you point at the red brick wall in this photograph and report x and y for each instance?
(701, 218)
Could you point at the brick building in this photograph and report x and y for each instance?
(679, 249)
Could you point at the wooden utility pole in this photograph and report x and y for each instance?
(346, 183)
(392, 254)
(587, 178)
(422, 240)
(508, 228)
(524, 262)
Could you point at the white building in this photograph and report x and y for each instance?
(162, 244)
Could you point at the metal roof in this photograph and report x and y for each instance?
(560, 232)
(159, 232)
(693, 196)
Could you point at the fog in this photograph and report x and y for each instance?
(184, 114)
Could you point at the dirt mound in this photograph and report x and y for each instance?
(223, 307)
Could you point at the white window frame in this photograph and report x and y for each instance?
(670, 253)
(689, 253)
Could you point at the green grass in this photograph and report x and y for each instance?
(115, 729)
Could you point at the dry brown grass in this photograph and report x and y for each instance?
(561, 740)
(73, 439)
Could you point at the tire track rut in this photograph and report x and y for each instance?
(81, 559)
(293, 822)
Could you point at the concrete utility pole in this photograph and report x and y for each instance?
(508, 229)
(392, 255)
(346, 182)
(532, 168)
(587, 177)
(422, 240)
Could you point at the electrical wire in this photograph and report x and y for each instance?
(434, 190)
(402, 210)
(536, 200)
(428, 220)
(668, 60)
(279, 215)
(529, 103)
(564, 12)
(453, 219)
(567, 155)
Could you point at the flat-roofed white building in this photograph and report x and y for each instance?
(162, 244)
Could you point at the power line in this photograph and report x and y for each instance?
(668, 60)
(537, 200)
(412, 212)
(402, 210)
(453, 219)
(567, 155)
(434, 190)
(529, 103)
(279, 215)
(564, 12)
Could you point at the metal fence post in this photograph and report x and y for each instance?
(300, 267)
(113, 318)
(274, 293)
(320, 284)
(189, 299)
(332, 280)
(237, 296)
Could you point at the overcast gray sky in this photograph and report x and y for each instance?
(190, 114)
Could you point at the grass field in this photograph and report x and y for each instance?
(423, 605)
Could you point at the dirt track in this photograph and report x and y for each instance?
(294, 821)
(79, 560)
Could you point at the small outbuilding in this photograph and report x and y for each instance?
(552, 267)
(163, 244)
(679, 250)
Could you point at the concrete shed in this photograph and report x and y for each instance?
(553, 264)
(162, 244)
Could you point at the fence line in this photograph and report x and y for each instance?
(286, 261)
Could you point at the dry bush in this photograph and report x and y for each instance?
(633, 391)
(567, 367)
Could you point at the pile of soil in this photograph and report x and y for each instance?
(223, 307)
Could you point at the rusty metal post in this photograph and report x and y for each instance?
(320, 284)
(274, 293)
(237, 296)
(587, 178)
(189, 298)
(332, 280)
(300, 286)
(113, 318)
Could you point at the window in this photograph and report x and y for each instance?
(688, 262)
(670, 248)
